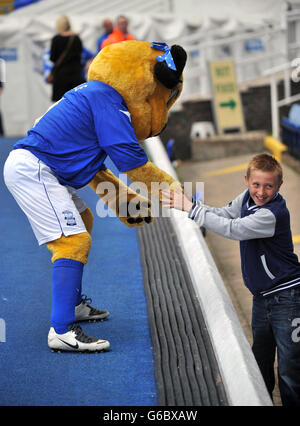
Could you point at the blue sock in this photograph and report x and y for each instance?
(79, 296)
(66, 278)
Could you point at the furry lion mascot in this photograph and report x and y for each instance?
(131, 86)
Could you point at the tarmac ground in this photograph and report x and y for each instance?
(223, 180)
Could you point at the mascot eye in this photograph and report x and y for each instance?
(173, 94)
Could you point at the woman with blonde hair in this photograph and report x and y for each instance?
(63, 24)
(65, 53)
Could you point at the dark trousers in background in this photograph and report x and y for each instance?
(276, 325)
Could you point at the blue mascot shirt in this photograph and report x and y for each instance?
(75, 136)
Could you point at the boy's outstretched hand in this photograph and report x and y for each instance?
(176, 200)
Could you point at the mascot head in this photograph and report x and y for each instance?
(147, 75)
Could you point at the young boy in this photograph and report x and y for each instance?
(260, 220)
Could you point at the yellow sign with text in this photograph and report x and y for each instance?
(226, 97)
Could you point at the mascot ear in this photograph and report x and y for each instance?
(168, 77)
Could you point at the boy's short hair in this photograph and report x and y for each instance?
(265, 163)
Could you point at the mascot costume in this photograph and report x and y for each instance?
(131, 86)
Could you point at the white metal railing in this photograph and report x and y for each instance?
(278, 60)
(286, 71)
(203, 47)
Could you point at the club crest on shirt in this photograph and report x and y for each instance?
(69, 217)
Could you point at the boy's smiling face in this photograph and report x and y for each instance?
(262, 186)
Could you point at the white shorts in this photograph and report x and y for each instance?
(51, 208)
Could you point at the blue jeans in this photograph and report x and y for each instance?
(276, 324)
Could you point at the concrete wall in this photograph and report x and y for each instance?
(229, 145)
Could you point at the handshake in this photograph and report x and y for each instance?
(132, 208)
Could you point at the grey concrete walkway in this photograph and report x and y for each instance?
(219, 189)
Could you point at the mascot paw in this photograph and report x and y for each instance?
(136, 211)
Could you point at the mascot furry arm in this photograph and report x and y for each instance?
(149, 79)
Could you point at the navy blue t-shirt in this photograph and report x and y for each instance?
(75, 136)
